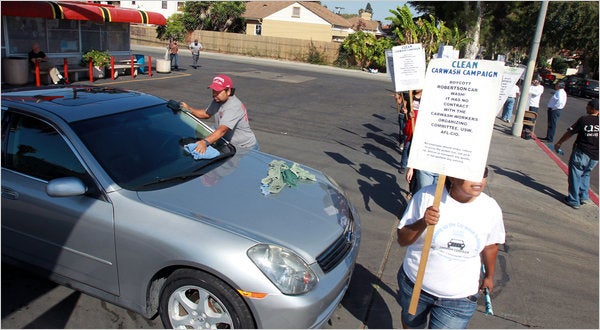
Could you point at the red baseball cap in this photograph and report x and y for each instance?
(220, 83)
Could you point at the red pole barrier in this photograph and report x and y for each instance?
(37, 74)
(91, 70)
(66, 69)
(132, 66)
(149, 65)
(112, 67)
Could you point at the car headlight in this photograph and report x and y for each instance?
(284, 268)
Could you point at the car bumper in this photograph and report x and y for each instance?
(311, 310)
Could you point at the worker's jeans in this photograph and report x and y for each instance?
(553, 115)
(580, 167)
(444, 313)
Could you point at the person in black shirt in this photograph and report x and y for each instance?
(584, 157)
(37, 55)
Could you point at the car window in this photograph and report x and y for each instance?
(33, 147)
(140, 146)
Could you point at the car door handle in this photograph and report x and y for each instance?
(9, 193)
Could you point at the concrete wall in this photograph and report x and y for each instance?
(243, 44)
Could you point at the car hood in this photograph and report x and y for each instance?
(306, 218)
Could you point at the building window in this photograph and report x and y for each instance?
(257, 29)
(296, 12)
(164, 4)
(133, 3)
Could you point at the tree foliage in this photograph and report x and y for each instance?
(507, 27)
(223, 16)
(175, 28)
(426, 30)
(365, 50)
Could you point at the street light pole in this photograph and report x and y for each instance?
(524, 99)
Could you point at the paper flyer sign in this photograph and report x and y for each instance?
(456, 117)
(509, 79)
(407, 67)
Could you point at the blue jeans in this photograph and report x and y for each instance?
(174, 58)
(424, 178)
(404, 159)
(508, 108)
(580, 167)
(443, 313)
(552, 120)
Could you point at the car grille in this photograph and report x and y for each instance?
(337, 251)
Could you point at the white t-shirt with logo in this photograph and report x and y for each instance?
(464, 229)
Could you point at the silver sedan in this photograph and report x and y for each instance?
(99, 194)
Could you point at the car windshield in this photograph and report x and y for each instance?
(143, 149)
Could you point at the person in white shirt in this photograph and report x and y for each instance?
(555, 106)
(535, 93)
(468, 228)
(195, 47)
(509, 104)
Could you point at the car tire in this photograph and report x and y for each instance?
(195, 299)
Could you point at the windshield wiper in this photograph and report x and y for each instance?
(197, 172)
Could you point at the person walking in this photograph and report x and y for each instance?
(173, 54)
(584, 156)
(411, 118)
(555, 106)
(469, 227)
(230, 115)
(195, 47)
(509, 104)
(402, 113)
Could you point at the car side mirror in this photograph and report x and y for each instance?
(65, 187)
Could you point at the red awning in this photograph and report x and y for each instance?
(80, 11)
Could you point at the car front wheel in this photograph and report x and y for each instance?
(192, 299)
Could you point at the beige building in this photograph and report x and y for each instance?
(295, 19)
(366, 24)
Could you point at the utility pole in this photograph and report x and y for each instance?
(524, 99)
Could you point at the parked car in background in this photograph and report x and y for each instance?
(586, 88)
(570, 83)
(548, 77)
(100, 194)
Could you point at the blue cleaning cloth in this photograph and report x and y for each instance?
(210, 151)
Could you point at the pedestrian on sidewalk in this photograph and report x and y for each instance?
(468, 228)
(195, 47)
(509, 104)
(555, 106)
(402, 115)
(411, 118)
(584, 156)
(535, 93)
(230, 115)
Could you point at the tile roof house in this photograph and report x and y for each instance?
(305, 20)
(366, 24)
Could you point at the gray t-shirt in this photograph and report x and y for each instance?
(233, 114)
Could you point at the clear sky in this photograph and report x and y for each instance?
(381, 9)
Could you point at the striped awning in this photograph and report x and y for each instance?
(82, 11)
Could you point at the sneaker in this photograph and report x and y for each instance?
(506, 121)
(401, 170)
(571, 205)
(584, 201)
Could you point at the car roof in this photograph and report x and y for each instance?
(73, 103)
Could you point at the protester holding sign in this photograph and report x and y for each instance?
(469, 227)
(411, 120)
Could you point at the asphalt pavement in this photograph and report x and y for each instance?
(546, 273)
